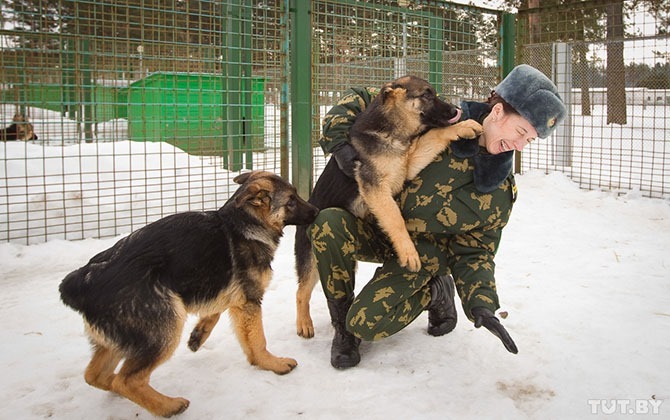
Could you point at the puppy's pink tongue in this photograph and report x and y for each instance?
(457, 117)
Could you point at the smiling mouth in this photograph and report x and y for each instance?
(503, 146)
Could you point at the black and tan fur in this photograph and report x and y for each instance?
(135, 296)
(403, 130)
(20, 129)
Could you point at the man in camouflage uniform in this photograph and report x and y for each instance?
(454, 210)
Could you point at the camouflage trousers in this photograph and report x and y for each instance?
(395, 296)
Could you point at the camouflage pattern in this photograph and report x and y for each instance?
(455, 228)
(341, 117)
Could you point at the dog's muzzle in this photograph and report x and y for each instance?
(457, 117)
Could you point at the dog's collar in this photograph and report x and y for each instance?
(490, 170)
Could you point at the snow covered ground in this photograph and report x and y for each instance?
(584, 276)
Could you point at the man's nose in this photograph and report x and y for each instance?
(519, 144)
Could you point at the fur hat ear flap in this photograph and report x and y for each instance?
(491, 170)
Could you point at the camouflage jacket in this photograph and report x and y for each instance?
(443, 202)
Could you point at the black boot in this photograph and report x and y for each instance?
(344, 351)
(441, 310)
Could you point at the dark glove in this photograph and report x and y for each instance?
(346, 156)
(484, 316)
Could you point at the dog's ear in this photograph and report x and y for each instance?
(242, 178)
(255, 195)
(386, 91)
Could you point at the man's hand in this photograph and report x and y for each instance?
(346, 156)
(485, 317)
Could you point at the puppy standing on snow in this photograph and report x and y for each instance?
(135, 296)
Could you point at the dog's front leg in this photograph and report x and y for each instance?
(248, 323)
(202, 330)
(386, 210)
(426, 148)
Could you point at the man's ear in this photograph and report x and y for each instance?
(497, 111)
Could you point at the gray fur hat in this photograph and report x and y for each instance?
(535, 97)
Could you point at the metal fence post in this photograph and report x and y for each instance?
(562, 76)
(435, 53)
(507, 59)
(301, 96)
(285, 71)
(233, 72)
(507, 50)
(86, 117)
(248, 85)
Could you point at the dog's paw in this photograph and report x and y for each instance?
(409, 258)
(287, 365)
(196, 339)
(279, 365)
(268, 361)
(173, 407)
(305, 328)
(414, 264)
(202, 330)
(468, 129)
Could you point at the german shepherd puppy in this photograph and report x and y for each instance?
(135, 296)
(20, 129)
(403, 130)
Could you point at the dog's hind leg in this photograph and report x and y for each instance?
(248, 323)
(132, 382)
(144, 355)
(307, 278)
(100, 370)
(202, 330)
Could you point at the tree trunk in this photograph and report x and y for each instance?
(583, 72)
(616, 73)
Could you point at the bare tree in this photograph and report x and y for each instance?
(616, 72)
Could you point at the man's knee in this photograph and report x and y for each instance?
(372, 331)
(365, 327)
(330, 224)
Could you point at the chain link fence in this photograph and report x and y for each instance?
(140, 110)
(356, 44)
(611, 61)
(144, 109)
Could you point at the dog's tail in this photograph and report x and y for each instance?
(74, 288)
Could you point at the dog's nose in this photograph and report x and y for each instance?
(314, 211)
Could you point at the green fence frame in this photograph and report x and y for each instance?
(262, 76)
